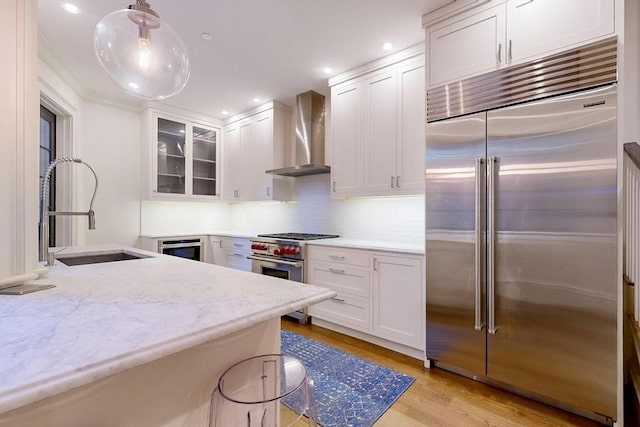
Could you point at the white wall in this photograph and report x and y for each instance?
(175, 218)
(108, 137)
(110, 142)
(313, 211)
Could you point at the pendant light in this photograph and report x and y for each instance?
(141, 53)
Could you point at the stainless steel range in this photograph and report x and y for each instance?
(283, 255)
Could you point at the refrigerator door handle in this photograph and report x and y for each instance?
(491, 237)
(478, 243)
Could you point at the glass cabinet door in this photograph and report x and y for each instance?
(171, 157)
(204, 161)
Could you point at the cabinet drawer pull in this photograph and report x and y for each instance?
(499, 53)
(240, 255)
(237, 244)
(337, 271)
(340, 300)
(510, 56)
(398, 181)
(338, 257)
(269, 191)
(333, 186)
(392, 185)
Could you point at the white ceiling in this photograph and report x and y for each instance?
(271, 49)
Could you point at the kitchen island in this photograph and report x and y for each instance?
(139, 342)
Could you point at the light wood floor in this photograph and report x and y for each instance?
(441, 398)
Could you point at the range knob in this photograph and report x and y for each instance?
(277, 251)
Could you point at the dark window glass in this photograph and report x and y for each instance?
(47, 155)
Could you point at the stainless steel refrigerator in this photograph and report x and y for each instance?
(521, 245)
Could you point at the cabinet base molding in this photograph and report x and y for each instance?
(400, 348)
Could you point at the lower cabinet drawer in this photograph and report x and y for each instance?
(238, 261)
(340, 278)
(346, 310)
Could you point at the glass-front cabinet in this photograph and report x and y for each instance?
(205, 157)
(184, 157)
(171, 164)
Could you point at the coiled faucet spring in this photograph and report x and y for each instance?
(44, 207)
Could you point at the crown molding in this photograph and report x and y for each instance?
(408, 53)
(45, 53)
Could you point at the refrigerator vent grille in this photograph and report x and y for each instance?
(591, 65)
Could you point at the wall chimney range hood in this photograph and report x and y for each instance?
(309, 148)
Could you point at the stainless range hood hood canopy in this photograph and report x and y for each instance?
(309, 148)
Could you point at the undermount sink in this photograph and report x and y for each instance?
(98, 258)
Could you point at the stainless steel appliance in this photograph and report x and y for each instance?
(521, 223)
(309, 131)
(183, 248)
(283, 255)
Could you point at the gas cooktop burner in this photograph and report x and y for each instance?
(299, 236)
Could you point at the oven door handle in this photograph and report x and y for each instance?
(276, 261)
(180, 245)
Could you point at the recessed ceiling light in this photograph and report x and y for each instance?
(206, 36)
(224, 112)
(327, 70)
(386, 46)
(257, 99)
(72, 8)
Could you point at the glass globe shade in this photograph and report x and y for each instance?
(141, 54)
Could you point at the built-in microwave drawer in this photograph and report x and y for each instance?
(339, 255)
(340, 278)
(344, 310)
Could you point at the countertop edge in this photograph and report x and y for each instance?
(395, 247)
(31, 393)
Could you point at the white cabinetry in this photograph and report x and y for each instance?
(180, 157)
(507, 33)
(377, 125)
(398, 307)
(466, 46)
(231, 252)
(380, 295)
(255, 142)
(346, 129)
(348, 273)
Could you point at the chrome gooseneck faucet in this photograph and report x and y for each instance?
(45, 213)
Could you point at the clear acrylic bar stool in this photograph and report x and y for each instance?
(250, 392)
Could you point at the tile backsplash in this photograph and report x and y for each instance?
(313, 211)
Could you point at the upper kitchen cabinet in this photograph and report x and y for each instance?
(498, 33)
(256, 141)
(181, 157)
(346, 130)
(377, 127)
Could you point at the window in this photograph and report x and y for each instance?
(47, 155)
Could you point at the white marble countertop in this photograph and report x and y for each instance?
(239, 234)
(415, 248)
(101, 319)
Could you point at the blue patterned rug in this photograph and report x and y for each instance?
(350, 391)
